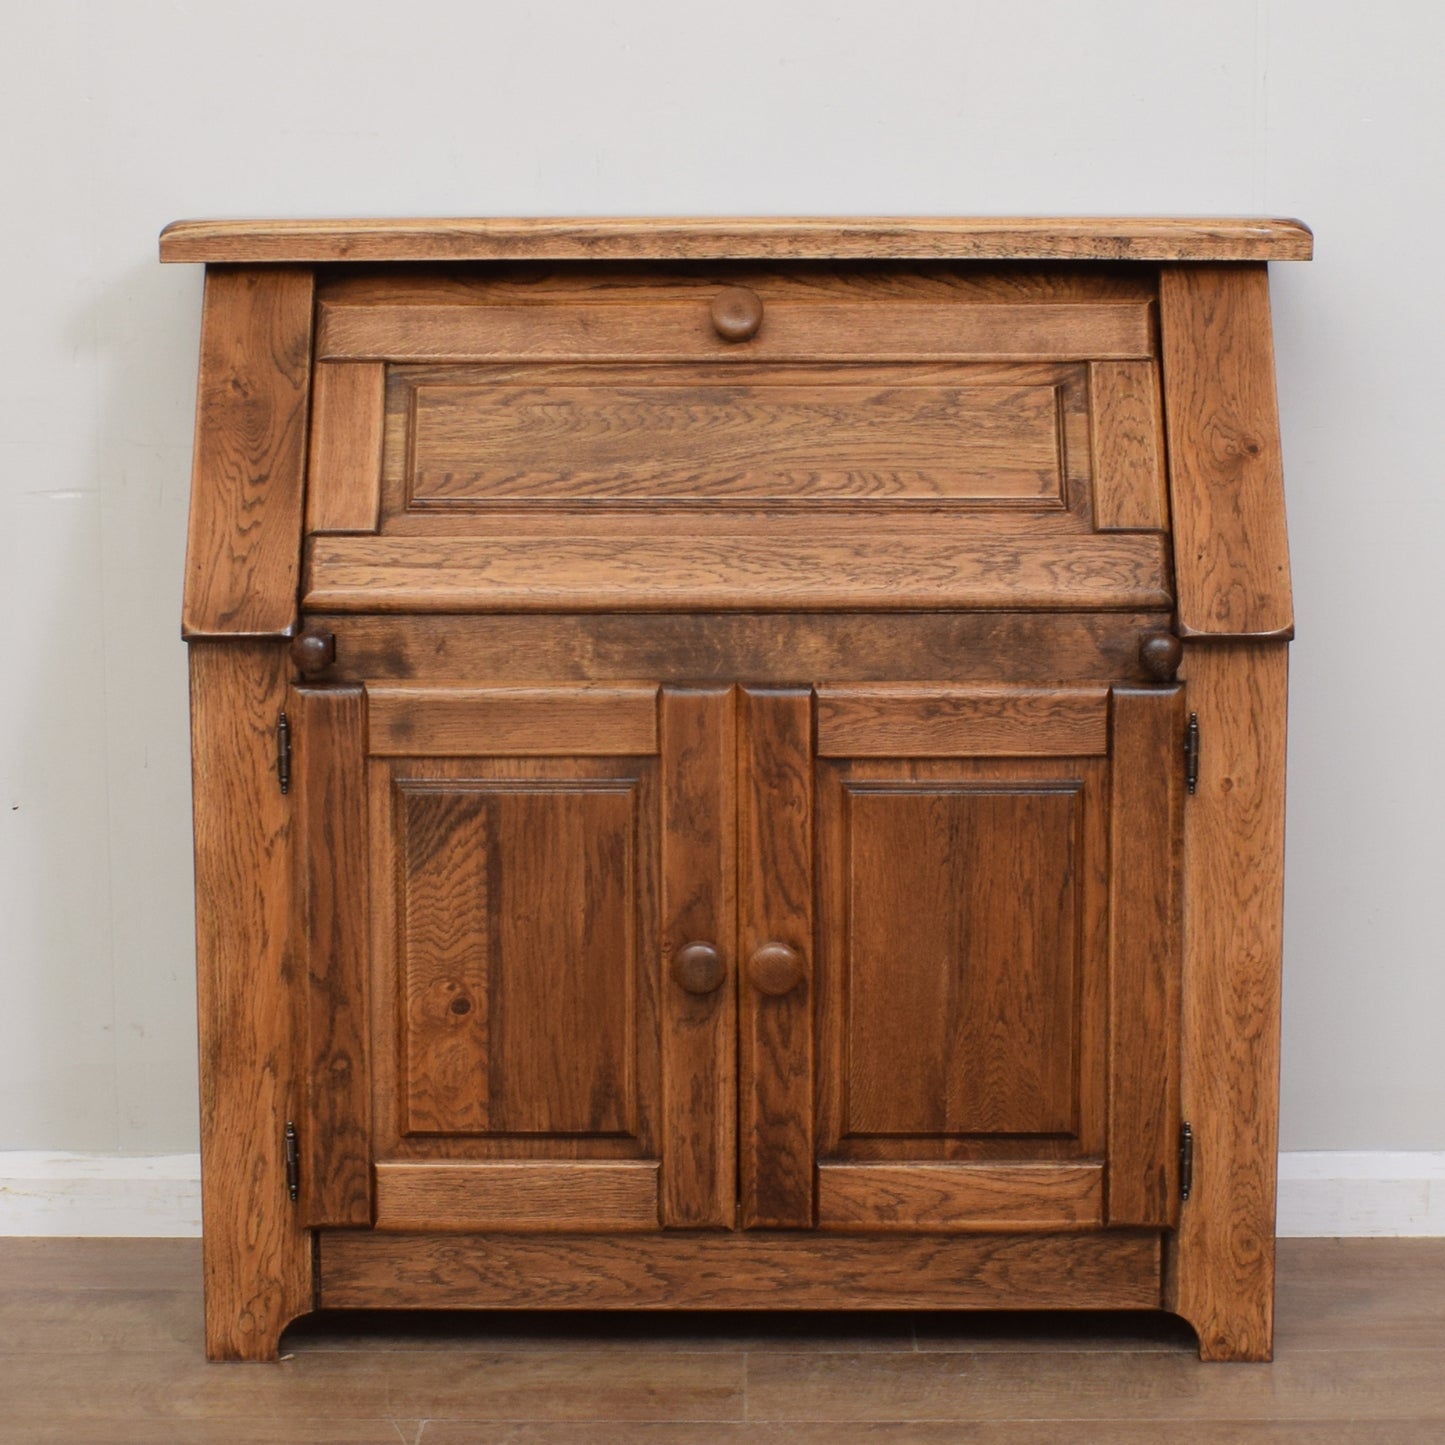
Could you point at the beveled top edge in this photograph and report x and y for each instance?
(668, 238)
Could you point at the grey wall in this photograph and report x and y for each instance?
(120, 117)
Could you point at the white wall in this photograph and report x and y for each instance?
(118, 117)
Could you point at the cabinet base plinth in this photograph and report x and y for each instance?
(1104, 1270)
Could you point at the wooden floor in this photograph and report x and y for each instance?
(100, 1342)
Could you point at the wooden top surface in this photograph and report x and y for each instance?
(939, 238)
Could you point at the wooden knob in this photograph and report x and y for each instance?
(776, 969)
(737, 313)
(698, 968)
(313, 651)
(1160, 654)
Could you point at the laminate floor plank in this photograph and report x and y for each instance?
(148, 1264)
(1360, 1294)
(333, 1430)
(126, 1386)
(1339, 1384)
(78, 1321)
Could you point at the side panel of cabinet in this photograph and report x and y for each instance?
(257, 1252)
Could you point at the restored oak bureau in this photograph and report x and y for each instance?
(738, 764)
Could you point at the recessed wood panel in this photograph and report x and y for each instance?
(709, 438)
(909, 720)
(973, 1196)
(962, 959)
(517, 919)
(518, 1196)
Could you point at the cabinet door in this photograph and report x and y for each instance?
(529, 857)
(997, 957)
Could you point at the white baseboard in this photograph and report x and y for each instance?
(160, 1195)
(151, 1195)
(1336, 1193)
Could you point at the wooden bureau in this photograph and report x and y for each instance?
(738, 764)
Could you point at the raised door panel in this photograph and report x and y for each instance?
(963, 917)
(518, 907)
(981, 1023)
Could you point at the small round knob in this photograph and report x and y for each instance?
(776, 969)
(737, 313)
(313, 651)
(698, 968)
(1160, 654)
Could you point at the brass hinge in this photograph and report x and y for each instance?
(293, 1160)
(283, 753)
(1186, 1159)
(1191, 753)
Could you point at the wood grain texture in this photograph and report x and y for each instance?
(1222, 1275)
(508, 282)
(329, 770)
(257, 1255)
(962, 960)
(1117, 1269)
(519, 924)
(814, 564)
(587, 720)
(699, 904)
(795, 330)
(913, 720)
(445, 936)
(348, 412)
(243, 546)
(976, 1197)
(1231, 554)
(1127, 430)
(1133, 238)
(704, 437)
(775, 906)
(994, 647)
(961, 968)
(591, 1195)
(1146, 822)
(517, 928)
